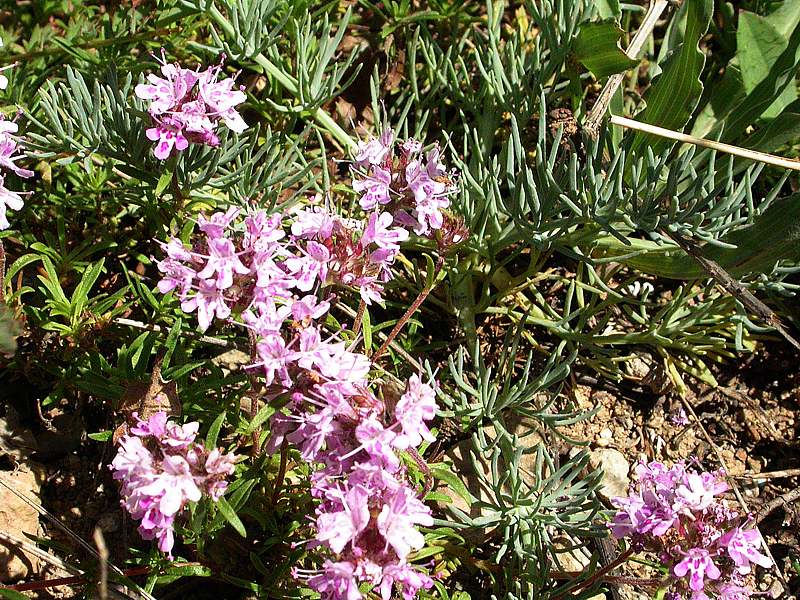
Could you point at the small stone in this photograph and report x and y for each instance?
(75, 512)
(615, 468)
(17, 518)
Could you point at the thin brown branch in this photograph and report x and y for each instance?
(731, 285)
(777, 503)
(595, 117)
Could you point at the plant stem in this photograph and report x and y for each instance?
(770, 159)
(411, 310)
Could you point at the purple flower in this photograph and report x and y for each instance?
(416, 405)
(166, 93)
(186, 107)
(698, 564)
(8, 199)
(742, 546)
(309, 268)
(222, 262)
(158, 479)
(698, 491)
(398, 519)
(209, 302)
(8, 146)
(222, 99)
(336, 582)
(340, 528)
(375, 151)
(375, 188)
(377, 441)
(378, 232)
(168, 133)
(407, 578)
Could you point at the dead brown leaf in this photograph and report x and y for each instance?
(146, 398)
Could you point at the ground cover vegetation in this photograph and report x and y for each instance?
(358, 299)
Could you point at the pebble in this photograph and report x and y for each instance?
(605, 438)
(615, 468)
(17, 518)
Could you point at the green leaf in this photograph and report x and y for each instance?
(366, 328)
(101, 436)
(607, 9)
(443, 473)
(262, 415)
(163, 182)
(597, 48)
(213, 431)
(231, 516)
(80, 297)
(759, 45)
(781, 74)
(674, 94)
(772, 237)
(12, 594)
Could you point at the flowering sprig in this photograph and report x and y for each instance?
(278, 276)
(415, 188)
(678, 514)
(161, 469)
(9, 147)
(187, 106)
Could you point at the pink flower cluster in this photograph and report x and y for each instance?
(678, 513)
(268, 276)
(162, 468)
(278, 277)
(9, 146)
(186, 106)
(412, 187)
(368, 514)
(280, 284)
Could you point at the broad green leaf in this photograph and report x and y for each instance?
(607, 9)
(101, 436)
(12, 594)
(725, 94)
(163, 182)
(781, 74)
(443, 473)
(774, 236)
(597, 48)
(674, 94)
(759, 45)
(785, 18)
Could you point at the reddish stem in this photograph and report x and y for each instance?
(411, 310)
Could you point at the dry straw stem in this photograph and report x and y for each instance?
(598, 111)
(770, 159)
